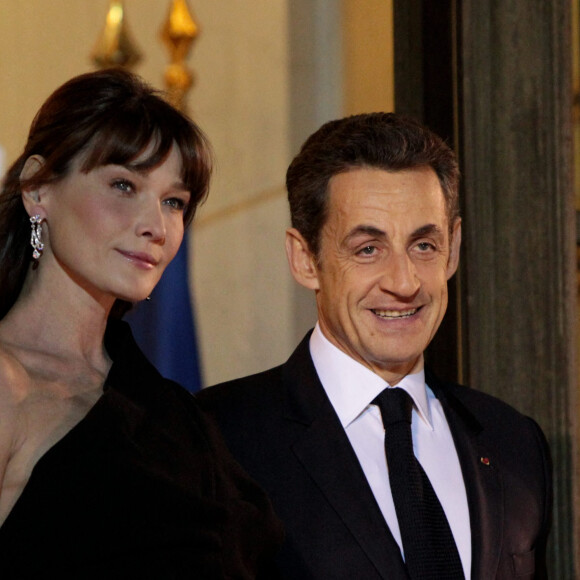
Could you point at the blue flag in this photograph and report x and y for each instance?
(164, 326)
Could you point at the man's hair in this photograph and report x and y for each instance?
(376, 140)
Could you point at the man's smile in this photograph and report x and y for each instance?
(394, 313)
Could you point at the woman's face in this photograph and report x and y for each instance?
(114, 230)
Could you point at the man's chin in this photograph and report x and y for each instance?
(391, 366)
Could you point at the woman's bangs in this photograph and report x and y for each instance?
(120, 142)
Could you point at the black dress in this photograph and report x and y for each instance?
(142, 487)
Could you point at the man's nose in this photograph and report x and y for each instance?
(400, 275)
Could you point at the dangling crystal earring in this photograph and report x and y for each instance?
(36, 235)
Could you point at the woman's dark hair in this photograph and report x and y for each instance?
(378, 140)
(111, 117)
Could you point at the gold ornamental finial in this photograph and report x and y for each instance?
(115, 46)
(178, 33)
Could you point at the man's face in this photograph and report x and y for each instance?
(382, 270)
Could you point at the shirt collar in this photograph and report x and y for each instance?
(351, 387)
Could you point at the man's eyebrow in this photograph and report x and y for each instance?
(427, 230)
(372, 231)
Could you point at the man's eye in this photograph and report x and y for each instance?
(367, 251)
(425, 246)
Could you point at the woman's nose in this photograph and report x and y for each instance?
(151, 223)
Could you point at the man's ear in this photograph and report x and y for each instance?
(31, 196)
(454, 247)
(302, 262)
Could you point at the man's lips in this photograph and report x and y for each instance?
(394, 314)
(140, 258)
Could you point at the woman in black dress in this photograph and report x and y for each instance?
(107, 470)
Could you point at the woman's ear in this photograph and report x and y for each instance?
(31, 195)
(302, 262)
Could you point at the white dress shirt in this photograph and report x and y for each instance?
(351, 387)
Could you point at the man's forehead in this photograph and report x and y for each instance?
(376, 203)
(372, 179)
(370, 190)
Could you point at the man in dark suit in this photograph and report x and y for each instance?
(376, 235)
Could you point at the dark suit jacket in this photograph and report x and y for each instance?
(282, 428)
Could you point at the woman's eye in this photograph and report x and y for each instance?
(176, 203)
(124, 185)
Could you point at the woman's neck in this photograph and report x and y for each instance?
(58, 318)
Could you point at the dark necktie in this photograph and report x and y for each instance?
(430, 551)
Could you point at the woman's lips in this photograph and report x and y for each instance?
(141, 259)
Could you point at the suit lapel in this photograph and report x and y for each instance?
(325, 452)
(482, 482)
